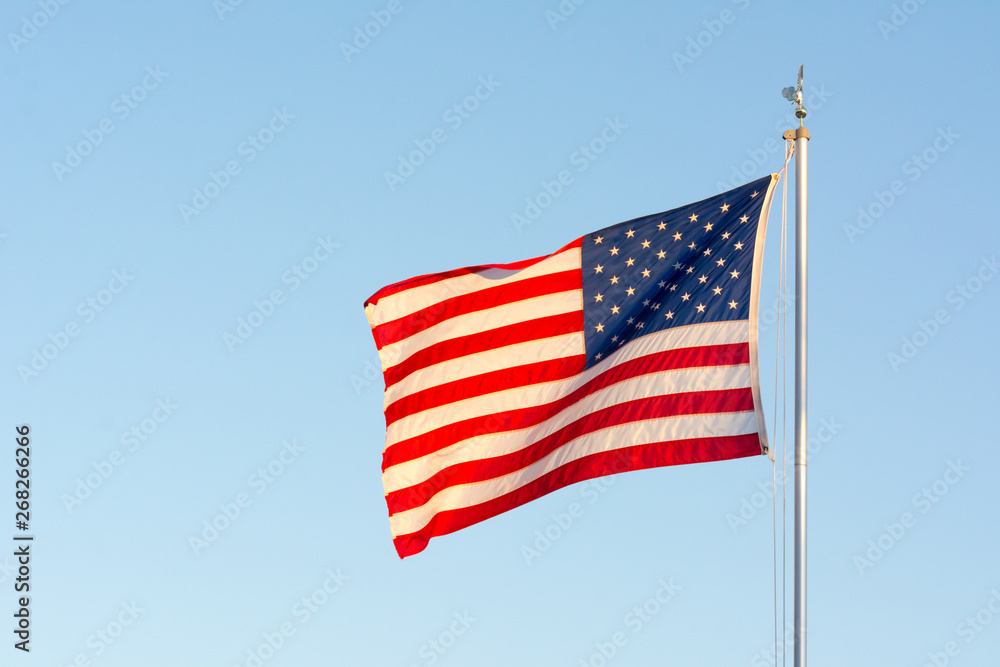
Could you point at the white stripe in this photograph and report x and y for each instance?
(715, 333)
(628, 435)
(664, 383)
(487, 361)
(410, 301)
(482, 320)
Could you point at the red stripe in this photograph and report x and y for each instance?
(485, 383)
(656, 407)
(484, 299)
(510, 420)
(522, 332)
(432, 278)
(639, 457)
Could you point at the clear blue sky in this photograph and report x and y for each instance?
(208, 158)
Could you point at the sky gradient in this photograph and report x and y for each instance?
(199, 196)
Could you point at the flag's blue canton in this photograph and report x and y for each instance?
(686, 266)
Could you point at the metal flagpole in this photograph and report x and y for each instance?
(801, 138)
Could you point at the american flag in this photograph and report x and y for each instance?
(633, 347)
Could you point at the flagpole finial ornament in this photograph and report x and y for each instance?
(794, 95)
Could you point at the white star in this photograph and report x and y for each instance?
(662, 284)
(703, 279)
(614, 310)
(725, 235)
(738, 246)
(661, 255)
(669, 314)
(598, 298)
(690, 269)
(708, 227)
(721, 262)
(614, 251)
(614, 280)
(640, 325)
(708, 251)
(599, 268)
(677, 236)
(661, 226)
(724, 207)
(597, 356)
(600, 328)
(692, 246)
(645, 273)
(735, 274)
(630, 233)
(630, 320)
(744, 219)
(646, 302)
(678, 265)
(631, 291)
(645, 243)
(630, 262)
(733, 304)
(693, 218)
(599, 239)
(685, 296)
(673, 288)
(717, 290)
(614, 338)
(656, 306)
(701, 308)
(754, 194)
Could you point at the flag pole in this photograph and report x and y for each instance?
(801, 138)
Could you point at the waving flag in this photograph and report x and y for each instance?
(633, 347)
